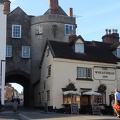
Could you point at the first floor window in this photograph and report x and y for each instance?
(84, 72)
(49, 70)
(68, 29)
(16, 31)
(8, 51)
(25, 52)
(48, 95)
(38, 29)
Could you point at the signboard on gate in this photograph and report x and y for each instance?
(104, 73)
(74, 108)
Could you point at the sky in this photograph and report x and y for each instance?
(92, 16)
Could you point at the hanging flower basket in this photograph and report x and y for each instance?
(71, 86)
(102, 88)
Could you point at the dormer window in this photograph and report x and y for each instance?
(79, 47)
(118, 52)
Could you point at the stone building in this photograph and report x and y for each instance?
(18, 51)
(89, 65)
(26, 38)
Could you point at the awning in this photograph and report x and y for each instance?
(92, 93)
(71, 92)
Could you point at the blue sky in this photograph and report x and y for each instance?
(92, 16)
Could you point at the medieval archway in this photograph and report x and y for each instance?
(23, 79)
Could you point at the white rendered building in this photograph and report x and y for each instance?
(4, 10)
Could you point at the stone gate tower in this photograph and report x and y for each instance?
(54, 24)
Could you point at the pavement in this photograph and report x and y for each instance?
(36, 114)
(40, 115)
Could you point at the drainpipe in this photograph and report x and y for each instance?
(2, 80)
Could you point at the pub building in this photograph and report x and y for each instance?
(80, 66)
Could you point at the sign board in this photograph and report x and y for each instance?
(96, 109)
(104, 73)
(74, 108)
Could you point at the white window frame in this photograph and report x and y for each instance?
(85, 73)
(68, 29)
(25, 51)
(38, 29)
(79, 47)
(8, 50)
(16, 31)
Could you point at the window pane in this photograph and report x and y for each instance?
(118, 53)
(8, 51)
(49, 70)
(68, 29)
(89, 73)
(84, 72)
(79, 47)
(16, 31)
(25, 52)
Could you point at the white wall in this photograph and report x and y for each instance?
(65, 71)
(2, 48)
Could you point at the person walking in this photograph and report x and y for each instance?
(15, 105)
(117, 103)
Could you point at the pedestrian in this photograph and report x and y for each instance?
(15, 105)
(117, 103)
(112, 104)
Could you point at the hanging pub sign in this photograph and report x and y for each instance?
(104, 73)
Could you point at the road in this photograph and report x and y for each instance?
(36, 114)
(9, 116)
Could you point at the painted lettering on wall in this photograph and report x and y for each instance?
(104, 73)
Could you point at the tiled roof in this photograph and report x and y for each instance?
(94, 51)
(60, 11)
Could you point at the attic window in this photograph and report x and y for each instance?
(79, 47)
(118, 52)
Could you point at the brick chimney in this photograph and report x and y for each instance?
(6, 6)
(54, 6)
(111, 37)
(70, 12)
(72, 38)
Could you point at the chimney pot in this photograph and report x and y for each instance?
(113, 30)
(109, 31)
(54, 6)
(106, 31)
(6, 6)
(116, 30)
(70, 12)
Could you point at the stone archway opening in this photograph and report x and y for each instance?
(22, 79)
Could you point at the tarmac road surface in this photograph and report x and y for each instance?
(55, 116)
(36, 114)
